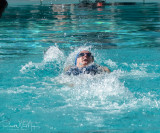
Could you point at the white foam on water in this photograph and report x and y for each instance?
(52, 55)
(135, 70)
(18, 90)
(111, 63)
(27, 67)
(102, 91)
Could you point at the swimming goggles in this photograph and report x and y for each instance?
(82, 54)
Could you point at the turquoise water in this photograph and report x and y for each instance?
(37, 42)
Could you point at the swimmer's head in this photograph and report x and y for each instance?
(83, 58)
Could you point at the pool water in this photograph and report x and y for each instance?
(38, 42)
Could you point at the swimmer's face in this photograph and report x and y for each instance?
(84, 58)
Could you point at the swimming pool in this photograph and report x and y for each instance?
(37, 42)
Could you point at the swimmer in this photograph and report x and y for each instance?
(84, 64)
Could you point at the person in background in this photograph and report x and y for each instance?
(84, 64)
(3, 5)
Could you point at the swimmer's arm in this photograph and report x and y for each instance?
(105, 69)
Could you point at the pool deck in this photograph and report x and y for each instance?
(33, 2)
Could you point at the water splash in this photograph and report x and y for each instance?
(105, 92)
(53, 54)
(52, 63)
